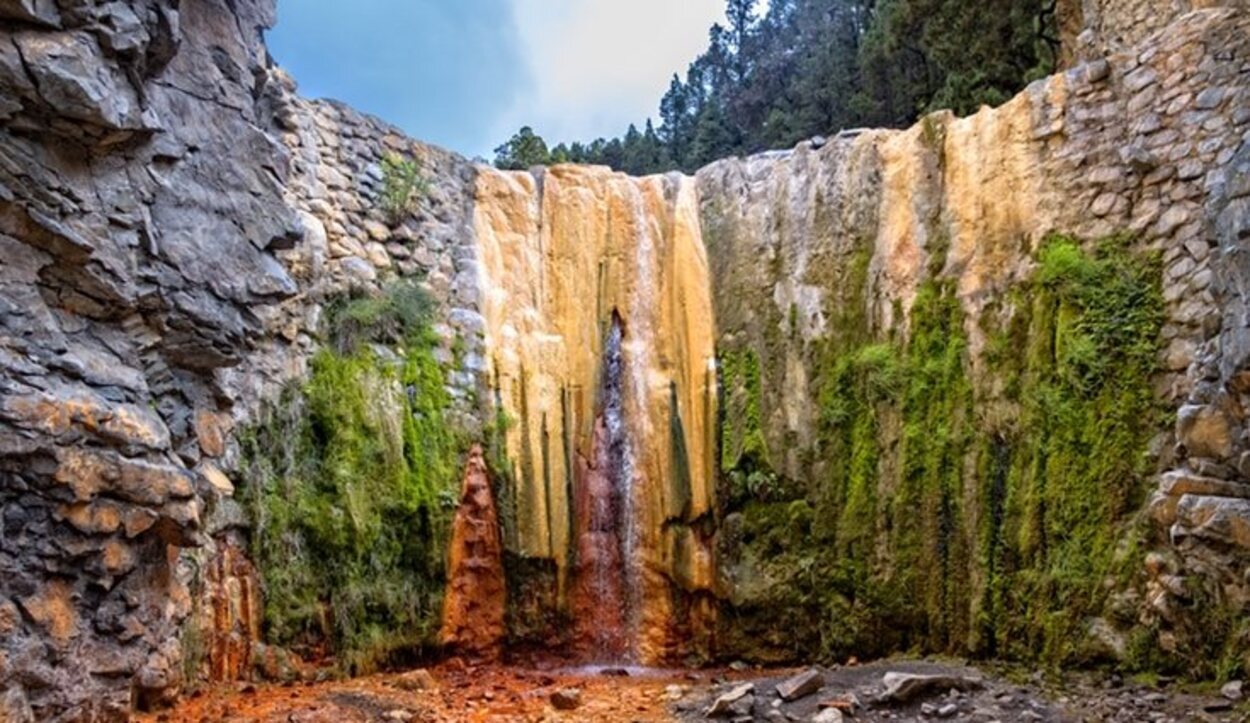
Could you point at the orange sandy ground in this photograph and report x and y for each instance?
(463, 694)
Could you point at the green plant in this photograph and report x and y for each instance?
(350, 484)
(403, 186)
(395, 316)
(969, 508)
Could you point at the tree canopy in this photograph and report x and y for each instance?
(811, 67)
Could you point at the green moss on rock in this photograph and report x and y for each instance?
(350, 483)
(958, 513)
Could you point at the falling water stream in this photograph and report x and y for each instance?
(605, 605)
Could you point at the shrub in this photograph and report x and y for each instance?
(403, 186)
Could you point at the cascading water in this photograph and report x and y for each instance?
(604, 596)
(598, 329)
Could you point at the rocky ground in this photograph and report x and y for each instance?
(884, 691)
(923, 691)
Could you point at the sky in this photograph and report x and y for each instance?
(466, 74)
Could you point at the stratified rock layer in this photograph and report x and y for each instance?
(141, 203)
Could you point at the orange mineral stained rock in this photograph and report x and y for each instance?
(561, 256)
(235, 613)
(473, 608)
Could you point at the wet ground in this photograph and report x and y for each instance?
(456, 692)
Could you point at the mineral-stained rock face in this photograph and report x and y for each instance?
(561, 255)
(473, 609)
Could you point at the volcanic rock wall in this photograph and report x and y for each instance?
(172, 219)
(141, 203)
(849, 234)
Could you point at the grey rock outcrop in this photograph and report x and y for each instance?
(171, 218)
(142, 198)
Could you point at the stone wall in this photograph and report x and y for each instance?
(1092, 28)
(826, 248)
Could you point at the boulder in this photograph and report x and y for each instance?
(419, 679)
(566, 699)
(801, 685)
(732, 702)
(906, 687)
(828, 715)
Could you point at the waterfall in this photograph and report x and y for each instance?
(604, 602)
(597, 310)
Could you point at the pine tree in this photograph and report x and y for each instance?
(813, 67)
(524, 150)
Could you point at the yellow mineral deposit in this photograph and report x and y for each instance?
(560, 253)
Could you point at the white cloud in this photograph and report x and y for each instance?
(599, 65)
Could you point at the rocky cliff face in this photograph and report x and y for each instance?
(935, 380)
(142, 203)
(871, 296)
(172, 220)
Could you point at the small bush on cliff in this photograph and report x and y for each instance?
(403, 186)
(350, 484)
(398, 316)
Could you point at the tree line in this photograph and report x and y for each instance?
(805, 68)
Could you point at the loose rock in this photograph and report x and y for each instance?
(727, 703)
(566, 698)
(801, 685)
(906, 687)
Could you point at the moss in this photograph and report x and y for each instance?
(350, 482)
(973, 515)
(1078, 450)
(931, 544)
(744, 449)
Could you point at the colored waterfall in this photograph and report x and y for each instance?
(600, 337)
(605, 588)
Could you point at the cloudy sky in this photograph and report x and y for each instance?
(467, 73)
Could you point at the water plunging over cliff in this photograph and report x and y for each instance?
(604, 576)
(599, 333)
